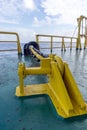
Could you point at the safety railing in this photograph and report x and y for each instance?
(62, 40)
(13, 41)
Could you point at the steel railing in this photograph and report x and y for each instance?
(13, 41)
(60, 40)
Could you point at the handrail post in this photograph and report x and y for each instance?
(18, 45)
(85, 43)
(78, 44)
(51, 47)
(63, 45)
(71, 44)
(37, 39)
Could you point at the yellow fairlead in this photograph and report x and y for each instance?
(61, 87)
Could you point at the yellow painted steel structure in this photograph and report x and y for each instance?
(61, 87)
(82, 31)
(17, 41)
(59, 40)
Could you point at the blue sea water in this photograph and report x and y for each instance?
(7, 45)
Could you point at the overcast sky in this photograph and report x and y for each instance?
(30, 17)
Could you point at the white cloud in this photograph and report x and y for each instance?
(38, 23)
(8, 21)
(9, 8)
(14, 10)
(46, 21)
(29, 4)
(68, 10)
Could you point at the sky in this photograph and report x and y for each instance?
(31, 17)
